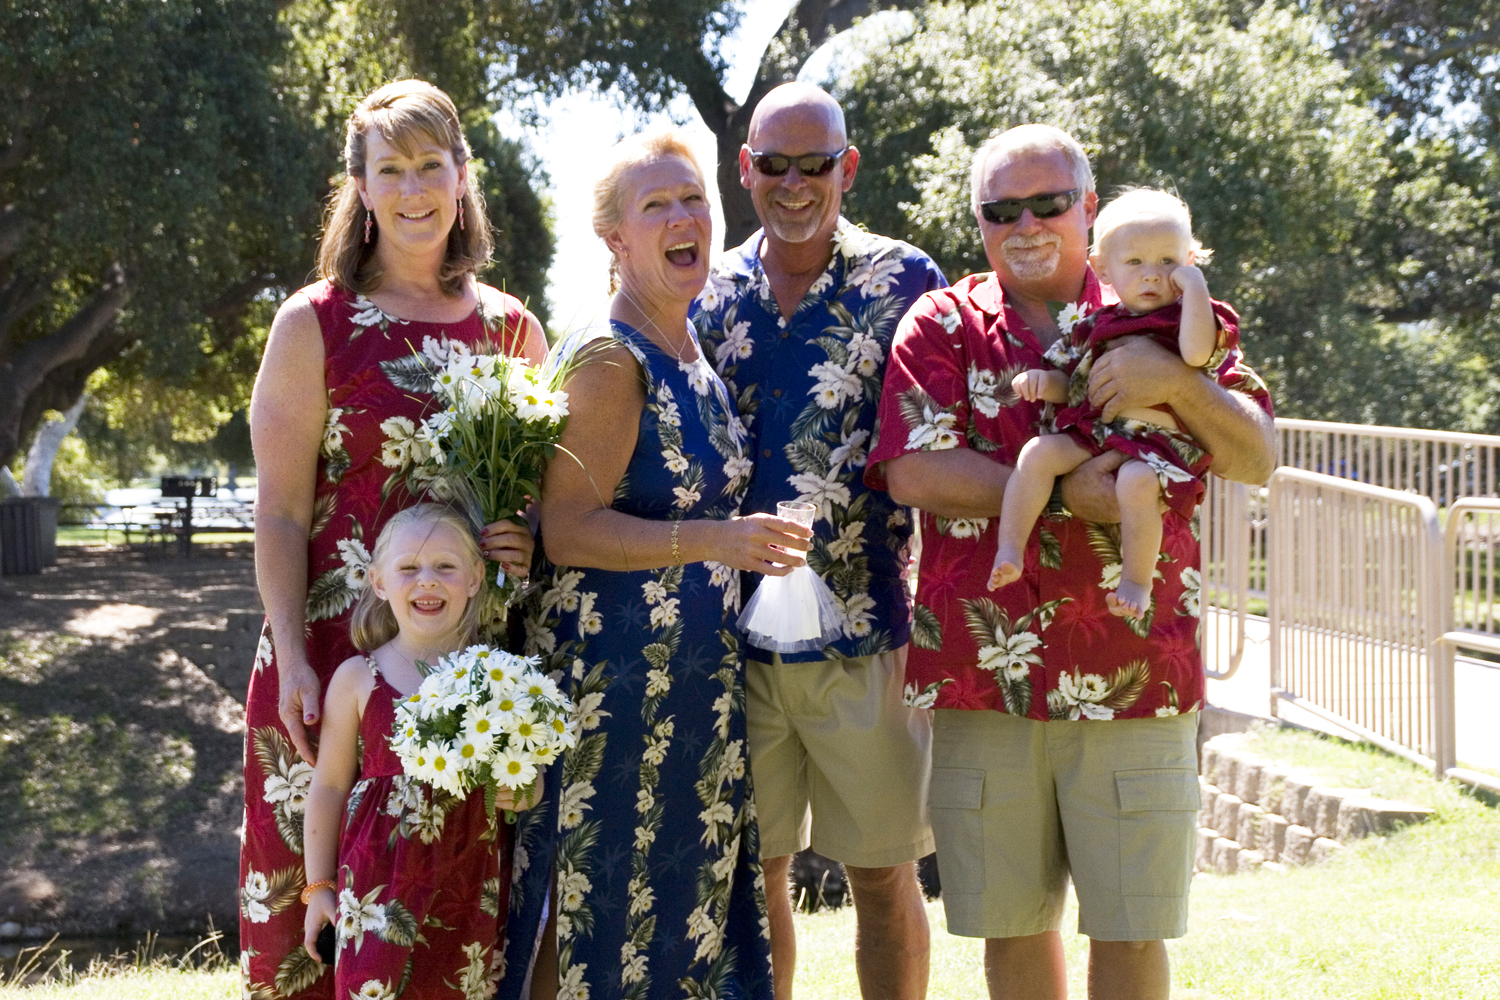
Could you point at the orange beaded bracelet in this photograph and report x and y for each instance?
(312, 887)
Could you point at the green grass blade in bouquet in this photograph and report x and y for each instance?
(488, 447)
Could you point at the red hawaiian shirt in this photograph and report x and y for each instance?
(1045, 647)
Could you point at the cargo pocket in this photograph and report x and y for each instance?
(1158, 809)
(955, 797)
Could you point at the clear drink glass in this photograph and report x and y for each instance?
(796, 510)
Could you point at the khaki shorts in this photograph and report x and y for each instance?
(1019, 805)
(838, 761)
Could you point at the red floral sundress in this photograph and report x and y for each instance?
(420, 880)
(378, 372)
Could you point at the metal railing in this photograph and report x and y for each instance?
(1231, 528)
(1440, 465)
(1355, 607)
(1471, 541)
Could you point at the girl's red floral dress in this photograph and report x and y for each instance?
(420, 881)
(378, 371)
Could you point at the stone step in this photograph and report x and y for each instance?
(1256, 814)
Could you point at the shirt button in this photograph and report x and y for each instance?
(776, 393)
(766, 453)
(785, 334)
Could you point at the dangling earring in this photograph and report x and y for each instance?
(460, 213)
(368, 223)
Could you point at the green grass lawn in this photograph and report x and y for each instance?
(77, 534)
(1411, 915)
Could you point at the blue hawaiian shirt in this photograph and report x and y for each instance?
(808, 390)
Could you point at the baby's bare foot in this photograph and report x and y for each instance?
(1130, 600)
(1007, 568)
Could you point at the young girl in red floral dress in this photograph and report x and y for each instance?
(409, 876)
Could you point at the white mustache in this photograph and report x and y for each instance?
(1021, 242)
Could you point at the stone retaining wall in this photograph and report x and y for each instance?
(1258, 814)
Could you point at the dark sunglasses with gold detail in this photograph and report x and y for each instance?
(809, 165)
(1043, 206)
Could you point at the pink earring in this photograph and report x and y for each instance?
(460, 213)
(368, 224)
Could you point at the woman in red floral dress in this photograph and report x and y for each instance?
(342, 391)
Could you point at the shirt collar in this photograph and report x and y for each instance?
(986, 295)
(744, 260)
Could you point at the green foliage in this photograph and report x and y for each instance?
(1324, 228)
(146, 135)
(78, 476)
(193, 144)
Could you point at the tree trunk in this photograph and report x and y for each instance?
(49, 372)
(37, 480)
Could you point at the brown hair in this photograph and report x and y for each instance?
(609, 197)
(404, 113)
(373, 623)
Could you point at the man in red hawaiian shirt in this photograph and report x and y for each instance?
(1064, 736)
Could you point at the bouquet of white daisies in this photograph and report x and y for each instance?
(483, 718)
(499, 428)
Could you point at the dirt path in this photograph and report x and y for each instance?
(120, 754)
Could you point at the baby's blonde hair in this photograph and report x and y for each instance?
(373, 623)
(1143, 205)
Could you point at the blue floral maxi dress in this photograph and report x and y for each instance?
(652, 824)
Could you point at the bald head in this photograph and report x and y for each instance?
(801, 102)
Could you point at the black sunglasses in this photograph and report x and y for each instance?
(810, 165)
(1043, 206)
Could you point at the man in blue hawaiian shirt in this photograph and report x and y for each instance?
(798, 321)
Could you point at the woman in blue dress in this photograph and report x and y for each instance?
(658, 890)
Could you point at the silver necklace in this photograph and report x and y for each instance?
(676, 351)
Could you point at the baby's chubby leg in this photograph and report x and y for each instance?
(1042, 460)
(1138, 490)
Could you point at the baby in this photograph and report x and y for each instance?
(1144, 248)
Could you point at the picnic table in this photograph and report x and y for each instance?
(187, 506)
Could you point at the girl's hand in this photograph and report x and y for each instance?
(299, 704)
(510, 544)
(321, 909)
(521, 799)
(763, 543)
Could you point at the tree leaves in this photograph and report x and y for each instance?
(1331, 223)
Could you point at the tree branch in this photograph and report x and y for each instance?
(13, 229)
(19, 145)
(1416, 55)
(19, 296)
(33, 363)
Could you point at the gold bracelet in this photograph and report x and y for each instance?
(312, 887)
(676, 549)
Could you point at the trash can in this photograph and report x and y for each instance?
(47, 510)
(28, 534)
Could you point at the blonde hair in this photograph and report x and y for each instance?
(609, 194)
(373, 623)
(404, 113)
(1033, 139)
(1147, 205)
